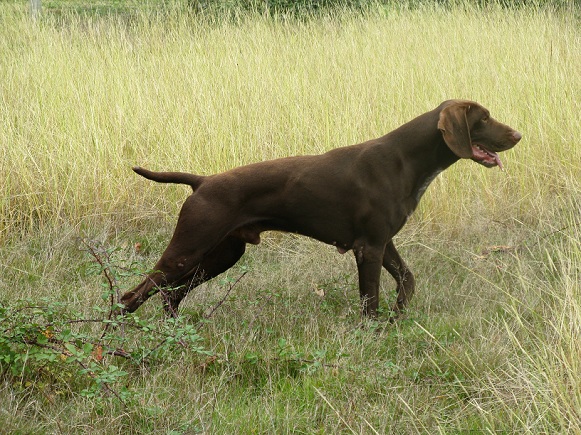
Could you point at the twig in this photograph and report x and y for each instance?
(547, 235)
(219, 304)
(308, 361)
(118, 352)
(105, 268)
(108, 276)
(104, 384)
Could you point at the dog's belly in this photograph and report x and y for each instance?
(336, 233)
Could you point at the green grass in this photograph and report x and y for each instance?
(490, 343)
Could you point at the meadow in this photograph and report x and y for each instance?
(489, 344)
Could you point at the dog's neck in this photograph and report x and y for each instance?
(430, 162)
(425, 157)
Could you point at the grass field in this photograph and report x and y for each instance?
(490, 343)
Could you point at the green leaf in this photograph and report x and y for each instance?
(87, 348)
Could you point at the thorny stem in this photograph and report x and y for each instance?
(108, 276)
(221, 301)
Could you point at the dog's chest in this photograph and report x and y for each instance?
(423, 185)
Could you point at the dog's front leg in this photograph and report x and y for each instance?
(406, 284)
(369, 261)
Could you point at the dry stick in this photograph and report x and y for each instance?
(166, 300)
(108, 276)
(219, 304)
(106, 272)
(554, 232)
(309, 361)
(118, 352)
(104, 384)
(73, 321)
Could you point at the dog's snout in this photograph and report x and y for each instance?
(516, 136)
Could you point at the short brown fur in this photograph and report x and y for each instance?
(356, 198)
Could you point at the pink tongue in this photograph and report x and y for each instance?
(485, 155)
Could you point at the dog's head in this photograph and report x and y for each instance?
(471, 133)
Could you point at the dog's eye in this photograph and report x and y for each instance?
(485, 119)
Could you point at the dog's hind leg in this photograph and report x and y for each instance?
(196, 235)
(220, 259)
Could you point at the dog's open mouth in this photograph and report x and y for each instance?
(485, 157)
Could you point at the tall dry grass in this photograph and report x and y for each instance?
(82, 102)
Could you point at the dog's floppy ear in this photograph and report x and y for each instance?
(453, 124)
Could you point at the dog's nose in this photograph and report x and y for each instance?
(516, 136)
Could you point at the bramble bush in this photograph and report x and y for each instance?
(43, 342)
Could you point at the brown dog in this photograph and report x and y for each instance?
(355, 198)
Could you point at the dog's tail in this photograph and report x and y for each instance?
(171, 177)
